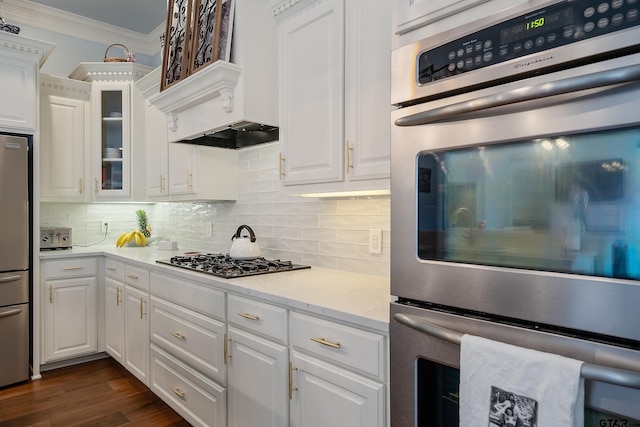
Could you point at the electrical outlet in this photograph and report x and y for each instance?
(105, 226)
(209, 229)
(375, 241)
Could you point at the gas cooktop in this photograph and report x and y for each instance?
(222, 265)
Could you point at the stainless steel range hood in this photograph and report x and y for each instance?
(238, 135)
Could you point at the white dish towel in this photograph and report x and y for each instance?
(502, 385)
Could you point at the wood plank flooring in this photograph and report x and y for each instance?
(99, 393)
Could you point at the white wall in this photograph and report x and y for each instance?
(323, 233)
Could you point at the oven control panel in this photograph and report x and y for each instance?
(559, 24)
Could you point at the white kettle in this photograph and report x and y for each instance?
(244, 247)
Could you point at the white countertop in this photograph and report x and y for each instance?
(360, 299)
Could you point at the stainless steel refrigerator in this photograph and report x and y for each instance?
(14, 259)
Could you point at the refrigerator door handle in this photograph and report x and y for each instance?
(11, 312)
(8, 279)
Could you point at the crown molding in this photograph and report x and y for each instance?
(65, 87)
(26, 46)
(47, 18)
(110, 71)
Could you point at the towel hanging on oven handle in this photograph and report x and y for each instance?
(606, 374)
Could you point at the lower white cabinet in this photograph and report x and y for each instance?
(257, 364)
(70, 304)
(196, 398)
(337, 374)
(127, 317)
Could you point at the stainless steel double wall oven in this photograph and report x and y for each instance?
(516, 202)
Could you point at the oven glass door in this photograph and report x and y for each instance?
(566, 203)
(438, 402)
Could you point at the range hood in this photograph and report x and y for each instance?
(230, 104)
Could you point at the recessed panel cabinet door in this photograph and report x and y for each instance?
(312, 94)
(114, 319)
(72, 325)
(136, 334)
(326, 395)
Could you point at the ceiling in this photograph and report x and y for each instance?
(141, 16)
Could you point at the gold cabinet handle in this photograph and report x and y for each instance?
(349, 152)
(322, 341)
(227, 340)
(80, 185)
(249, 316)
(132, 276)
(189, 180)
(281, 166)
(291, 387)
(112, 269)
(178, 335)
(50, 294)
(72, 268)
(118, 297)
(178, 392)
(161, 183)
(142, 304)
(96, 185)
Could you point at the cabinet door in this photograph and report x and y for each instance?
(312, 94)
(114, 319)
(368, 89)
(71, 320)
(62, 148)
(325, 395)
(111, 115)
(258, 381)
(136, 333)
(412, 14)
(18, 89)
(157, 151)
(182, 164)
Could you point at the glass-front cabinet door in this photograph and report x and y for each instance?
(112, 114)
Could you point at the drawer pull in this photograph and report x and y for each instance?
(291, 387)
(249, 316)
(72, 268)
(322, 341)
(8, 279)
(226, 348)
(178, 335)
(118, 297)
(178, 392)
(112, 269)
(132, 276)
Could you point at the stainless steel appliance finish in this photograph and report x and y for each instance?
(223, 265)
(14, 259)
(56, 238)
(575, 300)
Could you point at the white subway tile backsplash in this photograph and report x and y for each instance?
(317, 232)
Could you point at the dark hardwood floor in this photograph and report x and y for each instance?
(99, 393)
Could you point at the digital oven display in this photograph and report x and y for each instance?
(539, 22)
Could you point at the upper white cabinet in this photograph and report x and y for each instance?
(412, 14)
(334, 92)
(64, 131)
(118, 130)
(21, 58)
(182, 172)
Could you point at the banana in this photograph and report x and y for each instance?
(122, 240)
(143, 239)
(136, 235)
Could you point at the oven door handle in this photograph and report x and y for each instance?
(606, 374)
(574, 84)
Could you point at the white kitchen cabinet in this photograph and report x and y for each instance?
(257, 364)
(188, 348)
(70, 319)
(114, 318)
(118, 125)
(20, 59)
(64, 131)
(178, 171)
(338, 374)
(127, 317)
(412, 14)
(335, 96)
